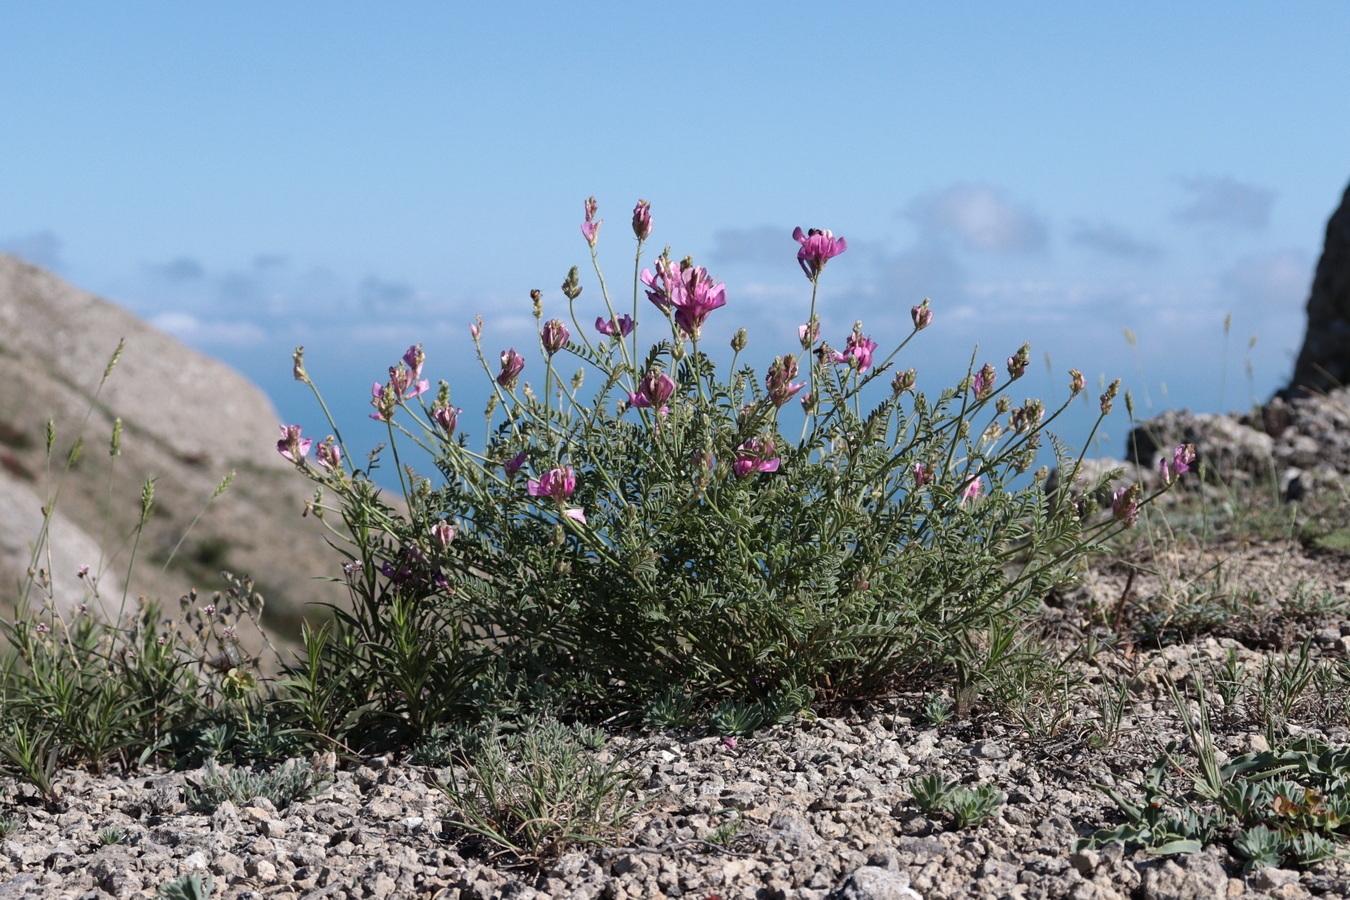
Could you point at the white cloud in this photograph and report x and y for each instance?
(1278, 280)
(981, 217)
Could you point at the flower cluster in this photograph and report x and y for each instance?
(684, 290)
(819, 246)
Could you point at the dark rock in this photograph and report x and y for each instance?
(1324, 360)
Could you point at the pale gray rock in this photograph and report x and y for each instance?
(188, 420)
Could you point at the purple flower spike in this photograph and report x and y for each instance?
(291, 446)
(329, 455)
(818, 247)
(443, 533)
(591, 227)
(687, 289)
(512, 465)
(642, 220)
(857, 352)
(554, 336)
(447, 417)
(1125, 505)
(654, 390)
(755, 456)
(779, 380)
(512, 363)
(556, 483)
(922, 316)
(620, 325)
(414, 359)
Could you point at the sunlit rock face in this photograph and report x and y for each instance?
(187, 421)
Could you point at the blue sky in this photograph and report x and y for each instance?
(356, 177)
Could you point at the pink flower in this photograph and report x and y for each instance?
(687, 289)
(554, 336)
(922, 316)
(620, 325)
(291, 446)
(1182, 458)
(82, 572)
(808, 334)
(329, 454)
(576, 515)
(557, 483)
(443, 533)
(512, 465)
(404, 384)
(923, 474)
(385, 401)
(446, 416)
(512, 363)
(755, 456)
(1125, 505)
(1017, 363)
(414, 358)
(857, 352)
(973, 490)
(779, 380)
(984, 381)
(818, 247)
(591, 228)
(476, 328)
(654, 390)
(642, 220)
(1076, 382)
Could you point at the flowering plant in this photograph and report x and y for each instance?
(669, 534)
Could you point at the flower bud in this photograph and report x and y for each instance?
(554, 336)
(922, 315)
(571, 286)
(1076, 382)
(537, 299)
(1110, 394)
(739, 339)
(903, 382)
(642, 220)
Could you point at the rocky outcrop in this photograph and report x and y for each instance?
(188, 421)
(1324, 360)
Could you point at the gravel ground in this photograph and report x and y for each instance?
(821, 808)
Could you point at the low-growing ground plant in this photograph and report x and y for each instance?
(963, 807)
(292, 782)
(192, 886)
(692, 541)
(532, 793)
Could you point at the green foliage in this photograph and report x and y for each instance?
(1275, 808)
(683, 559)
(294, 781)
(193, 886)
(965, 807)
(111, 835)
(9, 826)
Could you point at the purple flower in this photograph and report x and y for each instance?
(556, 483)
(923, 474)
(404, 384)
(857, 352)
(642, 220)
(385, 401)
(755, 456)
(591, 228)
(414, 358)
(476, 328)
(512, 363)
(818, 247)
(903, 381)
(654, 390)
(984, 381)
(291, 446)
(1182, 458)
(808, 334)
(512, 465)
(1017, 363)
(779, 380)
(443, 533)
(687, 289)
(576, 515)
(554, 336)
(1125, 505)
(446, 416)
(922, 316)
(621, 325)
(329, 454)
